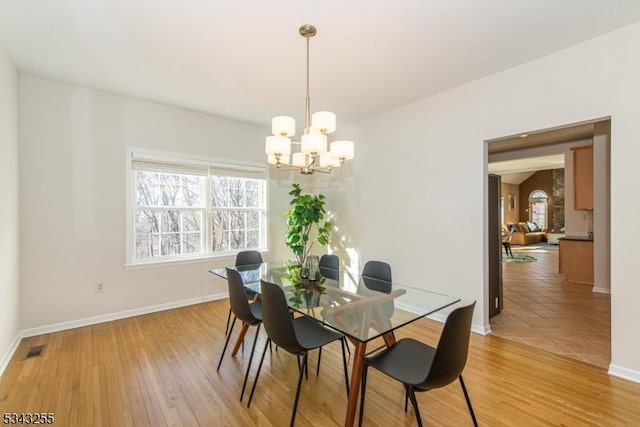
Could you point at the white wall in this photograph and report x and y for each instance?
(420, 177)
(338, 189)
(73, 198)
(8, 208)
(601, 214)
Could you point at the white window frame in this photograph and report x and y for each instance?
(213, 167)
(539, 200)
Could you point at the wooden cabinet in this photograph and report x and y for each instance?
(576, 260)
(583, 177)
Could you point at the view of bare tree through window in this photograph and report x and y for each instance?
(169, 216)
(236, 213)
(171, 211)
(538, 208)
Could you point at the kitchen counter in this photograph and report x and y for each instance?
(576, 259)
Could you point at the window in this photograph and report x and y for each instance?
(538, 208)
(236, 213)
(183, 209)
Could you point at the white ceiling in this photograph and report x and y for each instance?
(245, 60)
(516, 171)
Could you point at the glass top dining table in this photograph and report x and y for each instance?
(362, 308)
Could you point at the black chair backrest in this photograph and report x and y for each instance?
(453, 348)
(380, 272)
(277, 319)
(248, 258)
(330, 266)
(238, 298)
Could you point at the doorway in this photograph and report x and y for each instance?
(540, 308)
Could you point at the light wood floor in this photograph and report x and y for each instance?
(159, 369)
(543, 310)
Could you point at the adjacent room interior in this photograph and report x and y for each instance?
(542, 306)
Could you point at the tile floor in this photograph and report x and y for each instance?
(543, 310)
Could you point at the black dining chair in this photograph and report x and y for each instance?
(380, 271)
(376, 276)
(250, 314)
(506, 242)
(420, 367)
(295, 335)
(329, 266)
(245, 258)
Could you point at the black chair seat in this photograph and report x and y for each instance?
(408, 361)
(311, 334)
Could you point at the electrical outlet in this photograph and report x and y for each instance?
(101, 287)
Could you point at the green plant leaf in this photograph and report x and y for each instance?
(304, 219)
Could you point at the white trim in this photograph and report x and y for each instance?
(438, 317)
(441, 317)
(230, 256)
(168, 156)
(482, 330)
(6, 358)
(56, 327)
(624, 373)
(601, 290)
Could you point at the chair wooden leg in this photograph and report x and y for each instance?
(253, 349)
(226, 342)
(466, 396)
(295, 402)
(414, 403)
(363, 389)
(344, 365)
(255, 382)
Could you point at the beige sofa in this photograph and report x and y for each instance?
(528, 234)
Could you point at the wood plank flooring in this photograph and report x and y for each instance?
(543, 310)
(159, 370)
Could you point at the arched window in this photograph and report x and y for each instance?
(538, 208)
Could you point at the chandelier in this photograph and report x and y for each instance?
(312, 155)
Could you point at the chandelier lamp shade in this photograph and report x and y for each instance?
(312, 153)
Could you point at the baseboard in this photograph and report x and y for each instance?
(442, 317)
(56, 327)
(6, 358)
(601, 290)
(482, 330)
(624, 373)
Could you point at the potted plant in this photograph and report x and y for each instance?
(305, 224)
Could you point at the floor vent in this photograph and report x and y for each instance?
(35, 351)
